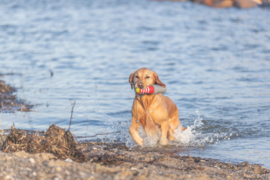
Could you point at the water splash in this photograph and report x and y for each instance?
(193, 136)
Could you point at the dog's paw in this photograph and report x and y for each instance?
(171, 138)
(140, 142)
(163, 142)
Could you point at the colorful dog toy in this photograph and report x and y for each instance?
(153, 89)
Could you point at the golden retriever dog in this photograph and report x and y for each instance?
(157, 114)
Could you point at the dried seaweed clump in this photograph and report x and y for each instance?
(56, 140)
(9, 102)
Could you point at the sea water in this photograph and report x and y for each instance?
(214, 62)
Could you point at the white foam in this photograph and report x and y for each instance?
(192, 136)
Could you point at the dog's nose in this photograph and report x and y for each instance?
(140, 85)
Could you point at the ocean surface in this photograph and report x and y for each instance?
(215, 63)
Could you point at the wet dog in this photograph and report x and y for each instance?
(155, 113)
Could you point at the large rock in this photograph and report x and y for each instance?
(230, 3)
(247, 3)
(219, 3)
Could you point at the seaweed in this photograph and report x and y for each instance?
(55, 140)
(9, 102)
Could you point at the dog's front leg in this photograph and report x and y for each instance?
(164, 133)
(133, 130)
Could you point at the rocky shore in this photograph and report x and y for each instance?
(231, 3)
(55, 154)
(114, 161)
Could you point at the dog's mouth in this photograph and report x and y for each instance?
(139, 86)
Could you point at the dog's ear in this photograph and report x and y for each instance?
(157, 81)
(131, 80)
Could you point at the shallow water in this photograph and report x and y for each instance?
(215, 61)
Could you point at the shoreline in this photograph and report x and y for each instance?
(115, 161)
(54, 154)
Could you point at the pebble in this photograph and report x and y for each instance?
(28, 169)
(68, 160)
(133, 169)
(58, 169)
(32, 160)
(82, 174)
(114, 150)
(58, 177)
(8, 177)
(67, 172)
(244, 164)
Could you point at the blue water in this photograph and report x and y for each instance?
(215, 61)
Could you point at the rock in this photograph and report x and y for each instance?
(114, 150)
(21, 154)
(229, 3)
(245, 4)
(223, 4)
(68, 160)
(32, 160)
(58, 169)
(67, 172)
(244, 164)
(45, 156)
(133, 169)
(8, 177)
(83, 174)
(219, 3)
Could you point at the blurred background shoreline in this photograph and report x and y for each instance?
(243, 4)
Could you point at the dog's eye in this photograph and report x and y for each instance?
(137, 76)
(147, 77)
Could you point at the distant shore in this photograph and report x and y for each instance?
(243, 4)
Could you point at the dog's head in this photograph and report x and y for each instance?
(143, 78)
